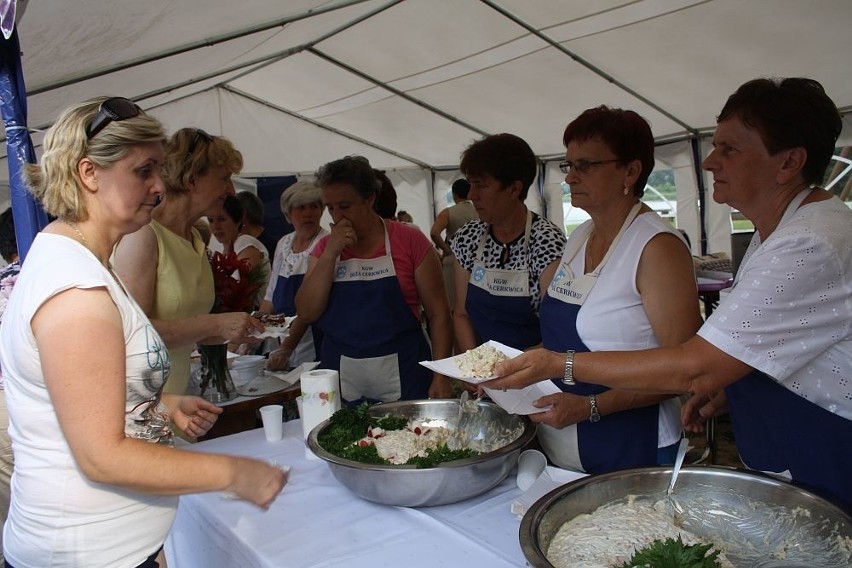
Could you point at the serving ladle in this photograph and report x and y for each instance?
(677, 509)
(468, 424)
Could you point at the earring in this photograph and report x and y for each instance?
(626, 190)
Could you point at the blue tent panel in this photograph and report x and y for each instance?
(29, 217)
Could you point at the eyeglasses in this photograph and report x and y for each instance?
(112, 110)
(584, 166)
(199, 135)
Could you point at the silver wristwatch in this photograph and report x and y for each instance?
(568, 378)
(594, 415)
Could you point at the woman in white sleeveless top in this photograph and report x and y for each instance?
(95, 481)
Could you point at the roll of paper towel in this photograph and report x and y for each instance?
(320, 397)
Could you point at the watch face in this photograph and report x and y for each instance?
(594, 416)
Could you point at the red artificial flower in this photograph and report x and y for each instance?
(235, 282)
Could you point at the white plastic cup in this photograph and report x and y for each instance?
(299, 405)
(273, 421)
(531, 464)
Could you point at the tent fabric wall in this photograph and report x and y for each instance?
(413, 194)
(677, 157)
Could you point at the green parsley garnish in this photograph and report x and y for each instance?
(348, 425)
(672, 553)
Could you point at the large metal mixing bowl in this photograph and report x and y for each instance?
(449, 482)
(739, 507)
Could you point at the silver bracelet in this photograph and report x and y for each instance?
(568, 377)
(594, 415)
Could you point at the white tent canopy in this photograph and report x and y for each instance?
(410, 83)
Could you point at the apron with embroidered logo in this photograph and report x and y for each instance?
(371, 336)
(290, 278)
(779, 432)
(498, 301)
(618, 441)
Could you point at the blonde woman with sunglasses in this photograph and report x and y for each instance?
(96, 481)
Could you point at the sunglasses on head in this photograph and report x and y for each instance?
(199, 135)
(114, 109)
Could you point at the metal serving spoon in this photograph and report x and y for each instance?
(677, 509)
(468, 424)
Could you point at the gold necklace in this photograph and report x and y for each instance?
(85, 243)
(79, 234)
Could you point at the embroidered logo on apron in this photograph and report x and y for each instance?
(358, 269)
(575, 289)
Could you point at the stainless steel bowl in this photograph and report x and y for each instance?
(718, 502)
(449, 482)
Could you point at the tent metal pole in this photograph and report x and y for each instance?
(695, 145)
(432, 195)
(542, 169)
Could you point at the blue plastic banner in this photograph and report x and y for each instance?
(29, 217)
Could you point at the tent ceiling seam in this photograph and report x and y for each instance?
(174, 86)
(402, 94)
(253, 65)
(208, 42)
(325, 126)
(183, 97)
(320, 39)
(586, 63)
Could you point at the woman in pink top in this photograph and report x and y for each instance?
(364, 287)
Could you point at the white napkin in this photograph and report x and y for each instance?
(520, 401)
(550, 479)
(290, 377)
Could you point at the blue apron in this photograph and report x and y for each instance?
(371, 335)
(498, 301)
(622, 440)
(289, 279)
(778, 431)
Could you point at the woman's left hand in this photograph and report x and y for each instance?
(566, 409)
(696, 411)
(194, 415)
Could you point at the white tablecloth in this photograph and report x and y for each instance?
(317, 522)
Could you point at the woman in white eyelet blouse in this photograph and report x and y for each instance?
(777, 354)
